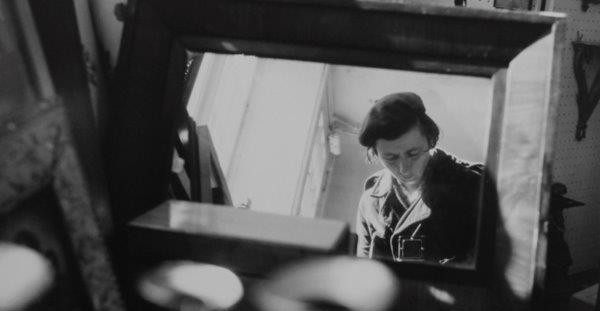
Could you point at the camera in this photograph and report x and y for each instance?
(412, 248)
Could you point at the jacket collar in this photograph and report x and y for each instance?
(383, 185)
(415, 213)
(385, 182)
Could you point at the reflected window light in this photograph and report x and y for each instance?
(178, 164)
(229, 46)
(338, 283)
(334, 144)
(181, 217)
(24, 276)
(184, 136)
(442, 295)
(185, 283)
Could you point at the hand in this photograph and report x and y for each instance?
(370, 212)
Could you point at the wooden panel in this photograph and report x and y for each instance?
(204, 171)
(222, 195)
(395, 27)
(250, 243)
(406, 37)
(523, 170)
(145, 108)
(211, 220)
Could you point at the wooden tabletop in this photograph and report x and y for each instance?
(229, 223)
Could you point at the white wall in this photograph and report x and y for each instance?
(346, 181)
(460, 105)
(219, 99)
(275, 133)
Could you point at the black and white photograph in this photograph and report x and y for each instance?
(268, 155)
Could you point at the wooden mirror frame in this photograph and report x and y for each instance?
(520, 52)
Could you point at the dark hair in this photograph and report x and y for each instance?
(393, 116)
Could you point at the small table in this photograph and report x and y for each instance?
(243, 240)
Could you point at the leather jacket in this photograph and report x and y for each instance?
(442, 228)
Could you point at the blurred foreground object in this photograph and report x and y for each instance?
(337, 283)
(186, 285)
(25, 276)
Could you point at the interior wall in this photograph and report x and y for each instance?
(577, 164)
(460, 105)
(347, 179)
(219, 100)
(268, 159)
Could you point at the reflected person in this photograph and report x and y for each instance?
(423, 205)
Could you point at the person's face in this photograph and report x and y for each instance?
(406, 156)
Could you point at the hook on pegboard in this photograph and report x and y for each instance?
(588, 96)
(585, 4)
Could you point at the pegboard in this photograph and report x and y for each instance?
(577, 164)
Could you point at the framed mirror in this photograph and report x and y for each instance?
(286, 136)
(284, 85)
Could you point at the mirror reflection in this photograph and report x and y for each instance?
(396, 154)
